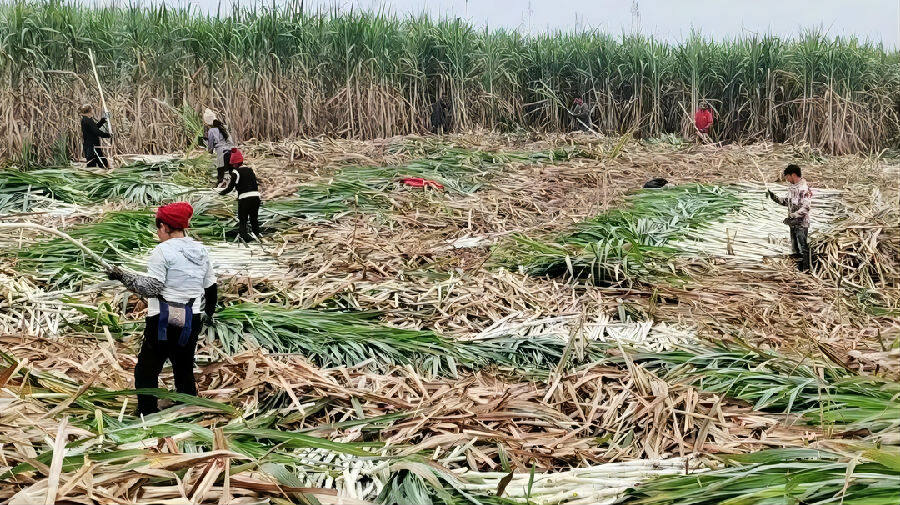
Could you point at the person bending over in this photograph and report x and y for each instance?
(242, 179)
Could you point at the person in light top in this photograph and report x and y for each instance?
(179, 283)
(218, 143)
(581, 115)
(797, 201)
(243, 179)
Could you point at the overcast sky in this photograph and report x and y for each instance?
(876, 20)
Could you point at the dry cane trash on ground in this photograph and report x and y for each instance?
(545, 373)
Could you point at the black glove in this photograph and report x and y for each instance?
(792, 221)
(201, 139)
(770, 194)
(115, 274)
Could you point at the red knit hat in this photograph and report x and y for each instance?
(237, 157)
(177, 215)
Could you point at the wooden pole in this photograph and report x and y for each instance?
(761, 175)
(102, 102)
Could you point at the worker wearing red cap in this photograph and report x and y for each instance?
(243, 179)
(179, 278)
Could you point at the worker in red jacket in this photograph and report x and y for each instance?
(703, 119)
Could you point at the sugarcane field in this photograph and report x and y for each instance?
(285, 254)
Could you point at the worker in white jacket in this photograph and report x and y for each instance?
(179, 284)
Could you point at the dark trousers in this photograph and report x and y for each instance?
(582, 123)
(799, 245)
(95, 157)
(153, 356)
(248, 213)
(440, 124)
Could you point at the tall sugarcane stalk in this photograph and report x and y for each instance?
(102, 101)
(305, 67)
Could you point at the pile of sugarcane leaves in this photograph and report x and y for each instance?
(819, 391)
(257, 442)
(119, 234)
(118, 447)
(137, 183)
(822, 394)
(333, 338)
(784, 477)
(364, 188)
(627, 244)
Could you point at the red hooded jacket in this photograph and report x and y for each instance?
(703, 119)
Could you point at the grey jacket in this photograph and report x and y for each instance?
(218, 145)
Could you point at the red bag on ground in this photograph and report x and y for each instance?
(418, 182)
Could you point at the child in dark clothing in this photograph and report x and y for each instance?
(243, 179)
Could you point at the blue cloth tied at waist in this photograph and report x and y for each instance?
(162, 327)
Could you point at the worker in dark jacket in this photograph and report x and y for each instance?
(241, 178)
(91, 133)
(440, 116)
(179, 282)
